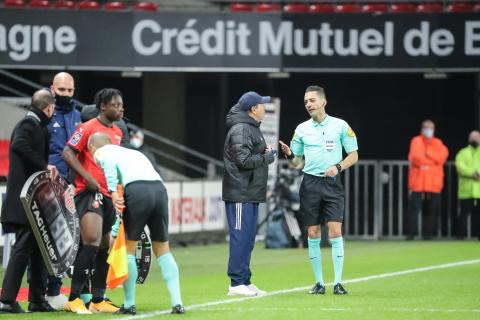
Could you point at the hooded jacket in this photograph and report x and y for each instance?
(467, 162)
(246, 162)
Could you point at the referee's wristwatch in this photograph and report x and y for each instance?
(339, 167)
(291, 156)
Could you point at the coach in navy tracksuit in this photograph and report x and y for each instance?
(246, 157)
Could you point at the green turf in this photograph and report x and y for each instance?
(451, 293)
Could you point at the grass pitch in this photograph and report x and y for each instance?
(378, 289)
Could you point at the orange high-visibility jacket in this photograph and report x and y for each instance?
(427, 158)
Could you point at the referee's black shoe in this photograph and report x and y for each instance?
(338, 289)
(178, 309)
(40, 307)
(317, 289)
(13, 307)
(132, 310)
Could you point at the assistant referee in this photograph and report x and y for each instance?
(322, 196)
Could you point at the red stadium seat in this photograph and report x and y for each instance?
(349, 8)
(460, 7)
(14, 3)
(430, 7)
(322, 8)
(88, 5)
(64, 4)
(4, 161)
(39, 4)
(145, 6)
(241, 7)
(375, 8)
(476, 7)
(403, 8)
(115, 5)
(268, 7)
(296, 8)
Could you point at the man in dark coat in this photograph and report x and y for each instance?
(28, 154)
(246, 157)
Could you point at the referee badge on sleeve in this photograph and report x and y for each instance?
(350, 132)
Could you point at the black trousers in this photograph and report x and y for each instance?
(24, 250)
(429, 203)
(468, 207)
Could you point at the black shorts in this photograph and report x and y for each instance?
(322, 200)
(89, 201)
(146, 204)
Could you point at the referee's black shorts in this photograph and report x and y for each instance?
(146, 204)
(322, 200)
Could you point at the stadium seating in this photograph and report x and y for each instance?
(460, 7)
(145, 6)
(115, 5)
(88, 5)
(65, 4)
(349, 8)
(322, 8)
(403, 8)
(39, 4)
(296, 8)
(241, 7)
(268, 7)
(4, 161)
(14, 3)
(375, 8)
(429, 7)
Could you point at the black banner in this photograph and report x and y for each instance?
(180, 41)
(50, 209)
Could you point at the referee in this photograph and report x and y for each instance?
(322, 196)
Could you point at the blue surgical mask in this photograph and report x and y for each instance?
(427, 132)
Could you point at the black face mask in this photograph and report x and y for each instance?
(473, 144)
(63, 101)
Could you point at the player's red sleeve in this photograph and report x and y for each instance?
(78, 140)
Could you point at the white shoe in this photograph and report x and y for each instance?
(240, 290)
(255, 289)
(57, 302)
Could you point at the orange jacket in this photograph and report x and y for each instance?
(427, 158)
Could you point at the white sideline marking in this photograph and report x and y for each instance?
(274, 293)
(343, 309)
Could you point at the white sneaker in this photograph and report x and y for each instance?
(57, 302)
(255, 289)
(240, 290)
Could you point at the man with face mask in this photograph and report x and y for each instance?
(28, 154)
(467, 162)
(137, 142)
(64, 121)
(427, 158)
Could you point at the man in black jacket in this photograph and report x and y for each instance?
(246, 157)
(28, 154)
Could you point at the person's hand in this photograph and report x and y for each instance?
(331, 172)
(118, 202)
(268, 149)
(53, 171)
(92, 184)
(476, 175)
(285, 148)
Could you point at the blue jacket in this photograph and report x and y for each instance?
(61, 127)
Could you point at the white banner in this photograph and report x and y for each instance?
(270, 129)
(214, 206)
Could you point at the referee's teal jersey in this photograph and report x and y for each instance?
(322, 143)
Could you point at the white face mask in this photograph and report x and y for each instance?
(427, 132)
(136, 142)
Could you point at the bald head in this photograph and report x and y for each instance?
(42, 98)
(63, 84)
(474, 136)
(98, 140)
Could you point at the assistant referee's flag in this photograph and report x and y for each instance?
(117, 259)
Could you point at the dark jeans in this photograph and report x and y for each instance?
(24, 250)
(468, 207)
(429, 204)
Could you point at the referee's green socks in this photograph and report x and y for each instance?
(171, 276)
(315, 259)
(130, 283)
(337, 258)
